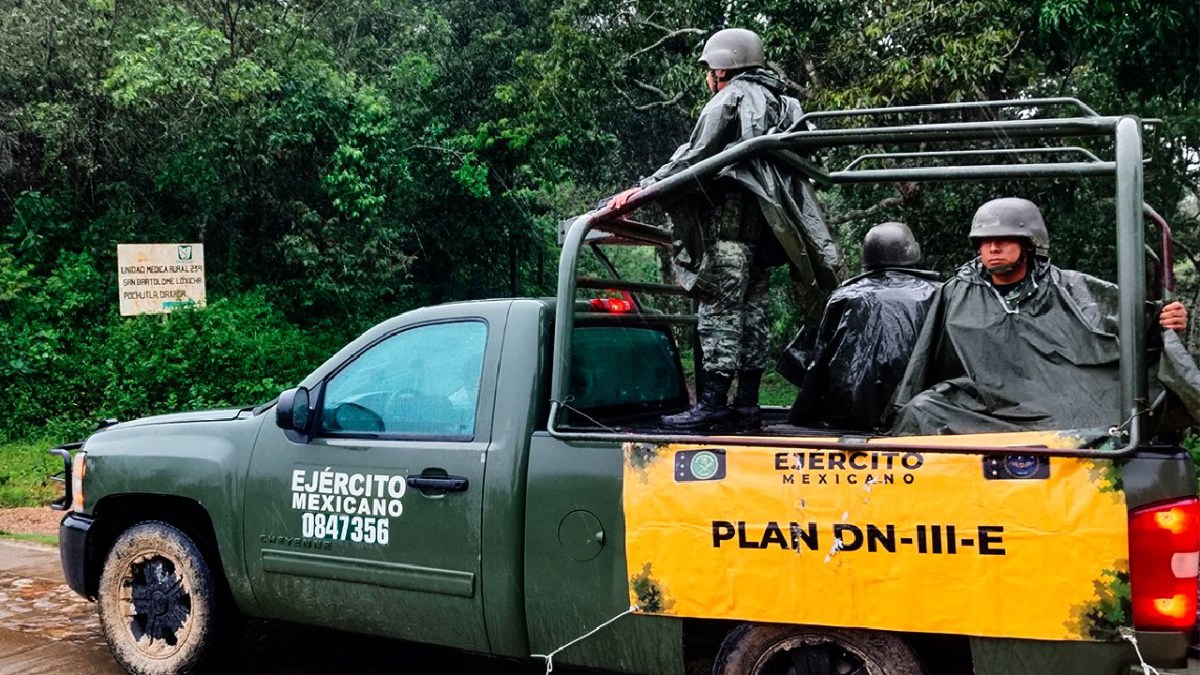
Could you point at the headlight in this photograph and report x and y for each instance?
(78, 469)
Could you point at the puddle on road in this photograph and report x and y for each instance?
(48, 608)
(52, 610)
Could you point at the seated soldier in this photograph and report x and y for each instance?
(1013, 342)
(866, 335)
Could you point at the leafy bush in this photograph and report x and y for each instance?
(72, 364)
(234, 352)
(1192, 443)
(25, 471)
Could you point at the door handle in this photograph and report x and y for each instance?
(441, 483)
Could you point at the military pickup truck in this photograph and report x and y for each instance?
(491, 476)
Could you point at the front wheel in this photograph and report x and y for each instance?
(160, 607)
(777, 649)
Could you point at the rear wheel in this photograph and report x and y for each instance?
(777, 649)
(160, 606)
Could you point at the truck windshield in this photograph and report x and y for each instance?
(620, 372)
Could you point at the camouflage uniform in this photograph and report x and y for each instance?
(732, 317)
(725, 244)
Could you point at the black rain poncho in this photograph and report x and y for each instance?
(862, 348)
(1045, 357)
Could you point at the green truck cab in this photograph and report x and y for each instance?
(483, 475)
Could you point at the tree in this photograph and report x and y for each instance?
(346, 161)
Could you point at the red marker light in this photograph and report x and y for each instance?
(611, 305)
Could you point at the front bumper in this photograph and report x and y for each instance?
(72, 550)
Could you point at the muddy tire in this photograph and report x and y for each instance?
(161, 608)
(776, 649)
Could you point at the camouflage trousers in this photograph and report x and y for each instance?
(732, 318)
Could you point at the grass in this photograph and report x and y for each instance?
(47, 539)
(776, 390)
(25, 471)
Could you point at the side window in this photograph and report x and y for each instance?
(420, 382)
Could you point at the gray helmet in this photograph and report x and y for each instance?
(890, 245)
(1011, 217)
(733, 49)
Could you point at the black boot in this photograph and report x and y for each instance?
(710, 413)
(747, 415)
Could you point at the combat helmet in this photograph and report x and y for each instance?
(733, 49)
(1011, 217)
(890, 245)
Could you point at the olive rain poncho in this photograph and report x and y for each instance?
(1044, 357)
(751, 105)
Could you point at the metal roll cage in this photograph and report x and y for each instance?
(805, 138)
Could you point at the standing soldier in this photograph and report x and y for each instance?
(729, 234)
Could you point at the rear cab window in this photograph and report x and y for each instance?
(624, 374)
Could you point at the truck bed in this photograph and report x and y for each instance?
(775, 423)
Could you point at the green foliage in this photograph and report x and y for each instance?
(40, 226)
(234, 352)
(919, 52)
(1192, 444)
(343, 162)
(76, 361)
(173, 58)
(14, 278)
(25, 471)
(776, 390)
(1122, 39)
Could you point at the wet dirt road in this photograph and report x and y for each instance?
(45, 629)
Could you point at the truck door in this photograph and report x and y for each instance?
(374, 524)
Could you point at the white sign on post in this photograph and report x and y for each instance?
(158, 278)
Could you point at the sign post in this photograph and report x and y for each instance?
(159, 278)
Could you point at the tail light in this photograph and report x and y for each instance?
(1164, 564)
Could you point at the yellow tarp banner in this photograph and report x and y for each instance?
(1000, 546)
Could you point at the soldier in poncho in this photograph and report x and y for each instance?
(1014, 343)
(866, 336)
(732, 230)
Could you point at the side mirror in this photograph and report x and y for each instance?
(293, 414)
